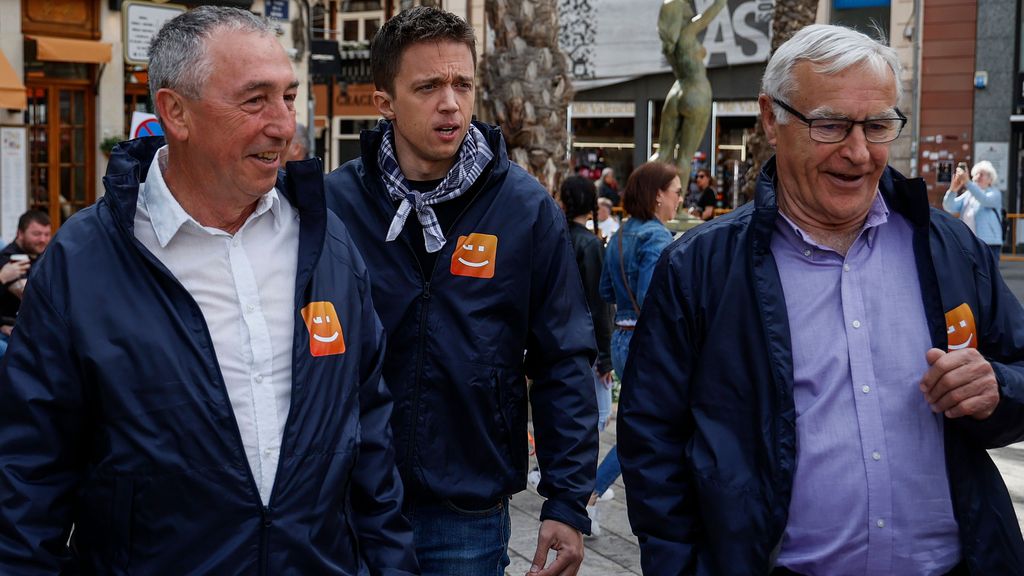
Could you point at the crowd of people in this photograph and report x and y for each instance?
(232, 364)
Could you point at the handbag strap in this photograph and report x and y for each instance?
(622, 268)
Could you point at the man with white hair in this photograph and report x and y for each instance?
(815, 377)
(979, 203)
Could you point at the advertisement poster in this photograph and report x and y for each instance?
(13, 179)
(604, 47)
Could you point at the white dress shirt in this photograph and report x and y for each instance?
(245, 286)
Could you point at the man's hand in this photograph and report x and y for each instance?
(566, 541)
(606, 380)
(960, 383)
(13, 270)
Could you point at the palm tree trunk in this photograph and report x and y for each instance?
(526, 85)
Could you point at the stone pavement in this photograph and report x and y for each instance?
(616, 551)
(613, 553)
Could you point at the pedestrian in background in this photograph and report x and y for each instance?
(194, 384)
(979, 203)
(607, 223)
(816, 376)
(651, 198)
(471, 268)
(579, 202)
(30, 241)
(708, 195)
(608, 186)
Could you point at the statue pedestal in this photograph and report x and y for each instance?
(681, 223)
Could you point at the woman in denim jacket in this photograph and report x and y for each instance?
(651, 197)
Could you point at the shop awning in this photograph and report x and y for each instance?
(12, 91)
(52, 49)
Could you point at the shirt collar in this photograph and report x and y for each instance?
(878, 214)
(167, 215)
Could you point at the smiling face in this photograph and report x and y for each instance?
(232, 137)
(474, 256)
(960, 331)
(325, 335)
(431, 106)
(830, 186)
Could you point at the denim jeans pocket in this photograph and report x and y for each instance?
(474, 512)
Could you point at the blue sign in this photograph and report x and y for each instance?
(847, 4)
(278, 9)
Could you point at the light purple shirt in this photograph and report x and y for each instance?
(870, 493)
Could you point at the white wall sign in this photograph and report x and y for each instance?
(13, 179)
(141, 21)
(998, 153)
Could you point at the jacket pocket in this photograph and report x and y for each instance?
(121, 524)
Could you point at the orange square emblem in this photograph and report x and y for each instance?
(960, 332)
(325, 337)
(474, 256)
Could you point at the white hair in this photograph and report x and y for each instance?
(985, 167)
(830, 50)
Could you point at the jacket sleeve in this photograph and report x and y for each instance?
(1002, 343)
(590, 272)
(42, 427)
(385, 536)
(559, 353)
(990, 197)
(655, 425)
(952, 202)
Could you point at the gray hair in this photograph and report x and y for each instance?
(986, 167)
(830, 50)
(177, 55)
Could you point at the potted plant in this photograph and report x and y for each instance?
(108, 143)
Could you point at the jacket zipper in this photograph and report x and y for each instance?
(420, 349)
(422, 335)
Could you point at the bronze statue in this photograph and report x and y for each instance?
(688, 104)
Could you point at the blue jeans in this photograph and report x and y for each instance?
(451, 541)
(609, 470)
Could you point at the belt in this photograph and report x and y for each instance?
(626, 328)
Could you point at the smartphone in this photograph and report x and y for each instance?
(963, 166)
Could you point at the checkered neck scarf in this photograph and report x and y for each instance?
(474, 154)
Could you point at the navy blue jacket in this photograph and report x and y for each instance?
(707, 434)
(455, 359)
(114, 415)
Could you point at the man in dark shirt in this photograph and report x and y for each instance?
(31, 239)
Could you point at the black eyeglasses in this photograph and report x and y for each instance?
(833, 130)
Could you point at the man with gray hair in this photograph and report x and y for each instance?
(815, 377)
(194, 384)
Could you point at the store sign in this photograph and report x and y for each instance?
(141, 21)
(601, 44)
(276, 9)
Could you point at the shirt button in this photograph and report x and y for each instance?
(846, 267)
(250, 307)
(856, 323)
(235, 243)
(268, 451)
(865, 389)
(259, 377)
(880, 523)
(876, 456)
(807, 253)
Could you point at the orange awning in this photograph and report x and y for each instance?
(12, 91)
(52, 49)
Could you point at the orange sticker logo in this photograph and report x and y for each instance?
(960, 331)
(474, 256)
(325, 337)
